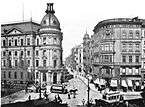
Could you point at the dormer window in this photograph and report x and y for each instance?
(44, 22)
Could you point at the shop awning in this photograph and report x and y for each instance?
(102, 82)
(123, 83)
(129, 83)
(113, 83)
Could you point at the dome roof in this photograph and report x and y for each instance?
(86, 36)
(50, 20)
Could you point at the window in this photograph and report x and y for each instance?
(123, 58)
(37, 74)
(44, 76)
(15, 42)
(28, 62)
(10, 53)
(4, 53)
(15, 75)
(130, 34)
(136, 58)
(54, 63)
(123, 47)
(44, 63)
(54, 39)
(37, 53)
(110, 58)
(21, 53)
(15, 53)
(4, 42)
(123, 34)
(4, 74)
(22, 42)
(9, 75)
(28, 41)
(16, 63)
(37, 63)
(37, 41)
(137, 46)
(137, 34)
(130, 58)
(4, 63)
(130, 47)
(44, 52)
(21, 75)
(10, 64)
(44, 40)
(10, 44)
(28, 53)
(44, 22)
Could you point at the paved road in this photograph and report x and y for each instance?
(81, 93)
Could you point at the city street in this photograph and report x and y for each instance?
(81, 93)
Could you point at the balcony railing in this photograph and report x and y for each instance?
(118, 63)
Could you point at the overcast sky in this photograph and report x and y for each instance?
(75, 16)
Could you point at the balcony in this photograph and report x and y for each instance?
(103, 63)
(136, 64)
(129, 64)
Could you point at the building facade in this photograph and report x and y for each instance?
(32, 52)
(16, 54)
(48, 49)
(117, 49)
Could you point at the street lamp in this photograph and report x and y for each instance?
(89, 78)
(40, 87)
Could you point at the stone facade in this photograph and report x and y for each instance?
(117, 48)
(31, 51)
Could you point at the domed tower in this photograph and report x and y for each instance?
(86, 39)
(51, 38)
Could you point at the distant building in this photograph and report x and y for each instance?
(87, 55)
(117, 49)
(80, 57)
(31, 51)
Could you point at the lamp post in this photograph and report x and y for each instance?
(89, 78)
(40, 87)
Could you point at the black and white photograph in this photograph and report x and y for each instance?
(72, 53)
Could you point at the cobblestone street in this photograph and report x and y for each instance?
(80, 94)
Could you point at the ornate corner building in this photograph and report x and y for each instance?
(117, 48)
(32, 51)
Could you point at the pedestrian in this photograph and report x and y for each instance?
(29, 97)
(59, 99)
(55, 98)
(83, 101)
(68, 96)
